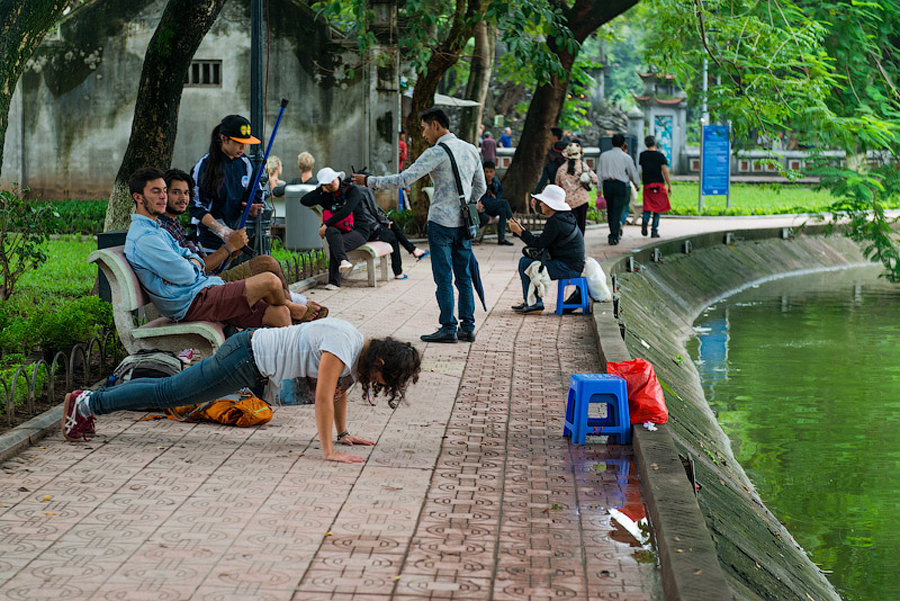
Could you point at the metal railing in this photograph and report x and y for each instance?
(83, 364)
(304, 265)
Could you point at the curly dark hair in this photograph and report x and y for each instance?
(399, 364)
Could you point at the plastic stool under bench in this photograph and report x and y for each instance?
(585, 389)
(584, 305)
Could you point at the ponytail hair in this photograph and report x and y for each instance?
(214, 175)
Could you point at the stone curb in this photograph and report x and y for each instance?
(29, 433)
(688, 560)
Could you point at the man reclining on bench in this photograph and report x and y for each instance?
(180, 190)
(175, 278)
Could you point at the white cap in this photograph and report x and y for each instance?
(326, 175)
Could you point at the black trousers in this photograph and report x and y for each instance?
(616, 195)
(339, 244)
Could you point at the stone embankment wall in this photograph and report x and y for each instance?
(657, 304)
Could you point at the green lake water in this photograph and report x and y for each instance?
(804, 375)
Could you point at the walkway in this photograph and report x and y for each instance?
(470, 493)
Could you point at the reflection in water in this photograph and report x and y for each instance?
(804, 375)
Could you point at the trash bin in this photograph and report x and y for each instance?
(301, 224)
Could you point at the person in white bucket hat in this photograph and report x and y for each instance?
(559, 250)
(345, 226)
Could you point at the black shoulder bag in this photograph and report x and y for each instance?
(469, 209)
(536, 253)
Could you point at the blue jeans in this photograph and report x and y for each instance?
(226, 372)
(450, 256)
(655, 223)
(556, 269)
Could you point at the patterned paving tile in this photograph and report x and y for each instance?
(471, 492)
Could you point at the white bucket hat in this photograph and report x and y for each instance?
(326, 175)
(554, 197)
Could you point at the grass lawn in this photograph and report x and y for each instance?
(66, 272)
(754, 199)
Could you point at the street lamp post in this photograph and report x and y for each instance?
(257, 110)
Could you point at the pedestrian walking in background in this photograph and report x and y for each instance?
(616, 170)
(657, 186)
(577, 180)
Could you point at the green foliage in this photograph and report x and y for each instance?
(24, 226)
(56, 325)
(77, 321)
(406, 221)
(9, 365)
(861, 201)
(823, 71)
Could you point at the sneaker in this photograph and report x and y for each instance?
(74, 426)
(520, 306)
(345, 266)
(332, 287)
(186, 356)
(504, 243)
(654, 235)
(643, 228)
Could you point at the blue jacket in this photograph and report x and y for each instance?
(163, 267)
(223, 204)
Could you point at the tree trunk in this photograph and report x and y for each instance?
(182, 27)
(482, 67)
(585, 17)
(23, 24)
(442, 58)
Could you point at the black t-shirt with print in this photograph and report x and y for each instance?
(651, 162)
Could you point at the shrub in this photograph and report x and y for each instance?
(24, 226)
(79, 216)
(77, 321)
(8, 367)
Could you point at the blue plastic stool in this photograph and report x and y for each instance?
(584, 305)
(585, 389)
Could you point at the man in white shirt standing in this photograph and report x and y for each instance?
(616, 170)
(451, 251)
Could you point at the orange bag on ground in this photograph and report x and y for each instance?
(646, 402)
(245, 412)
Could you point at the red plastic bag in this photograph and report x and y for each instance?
(600, 203)
(646, 402)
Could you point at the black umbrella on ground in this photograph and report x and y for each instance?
(475, 272)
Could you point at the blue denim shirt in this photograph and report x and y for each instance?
(435, 161)
(163, 267)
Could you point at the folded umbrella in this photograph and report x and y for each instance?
(475, 272)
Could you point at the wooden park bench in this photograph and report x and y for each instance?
(131, 303)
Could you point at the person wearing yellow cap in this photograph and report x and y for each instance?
(222, 176)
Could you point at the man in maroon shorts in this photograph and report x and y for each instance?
(175, 279)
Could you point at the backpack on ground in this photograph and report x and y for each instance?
(145, 364)
(243, 412)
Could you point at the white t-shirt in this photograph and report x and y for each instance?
(296, 351)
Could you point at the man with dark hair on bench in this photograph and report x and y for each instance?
(492, 202)
(180, 191)
(175, 278)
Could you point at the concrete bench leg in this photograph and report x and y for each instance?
(370, 270)
(384, 268)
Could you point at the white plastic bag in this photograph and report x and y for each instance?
(596, 280)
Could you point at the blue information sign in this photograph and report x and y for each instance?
(716, 158)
